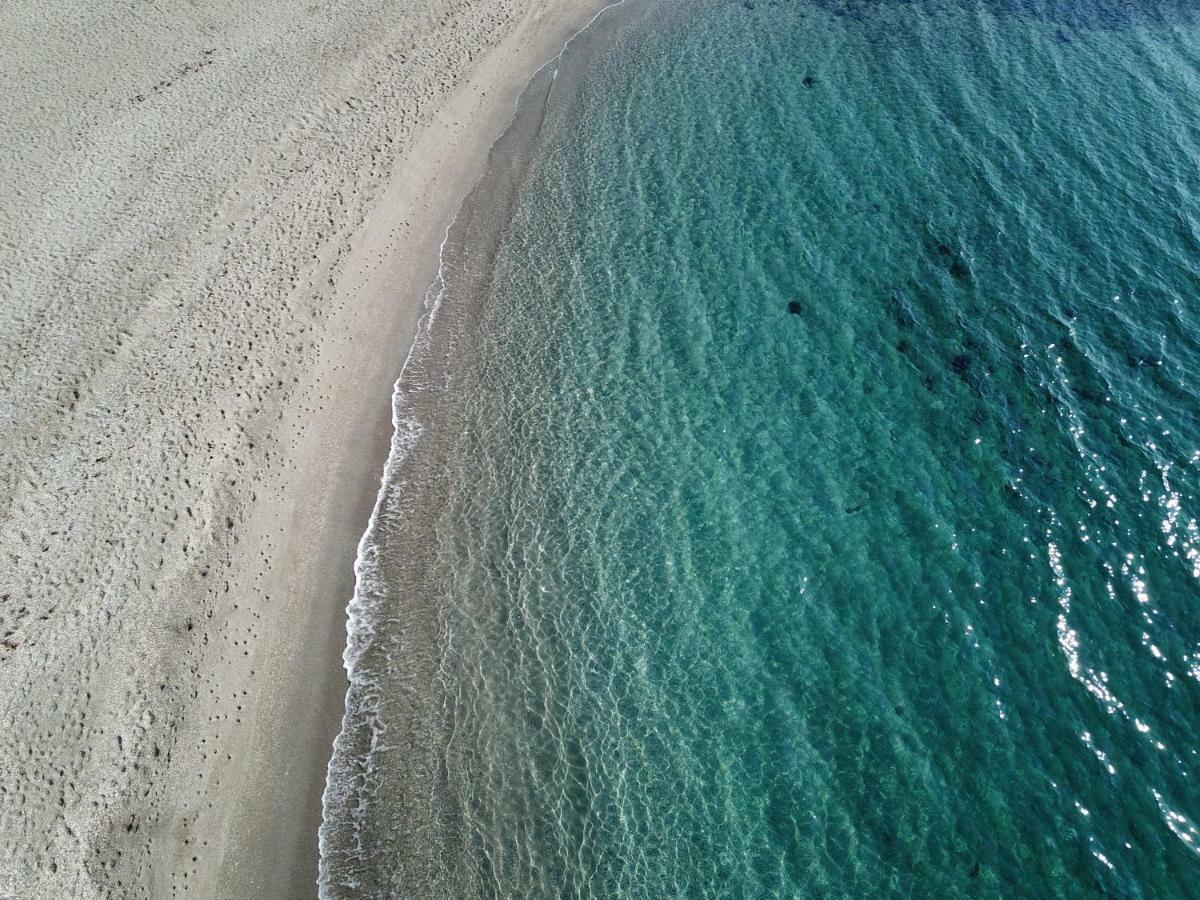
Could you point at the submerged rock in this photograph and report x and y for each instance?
(959, 269)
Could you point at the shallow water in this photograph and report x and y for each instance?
(891, 591)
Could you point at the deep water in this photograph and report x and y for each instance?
(823, 514)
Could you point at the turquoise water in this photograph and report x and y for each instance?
(889, 592)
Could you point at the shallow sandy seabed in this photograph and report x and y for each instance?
(219, 223)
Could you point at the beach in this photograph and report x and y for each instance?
(687, 448)
(219, 233)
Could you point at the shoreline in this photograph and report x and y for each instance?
(193, 736)
(458, 143)
(389, 820)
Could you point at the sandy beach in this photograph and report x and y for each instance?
(219, 226)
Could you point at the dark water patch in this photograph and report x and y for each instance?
(1069, 15)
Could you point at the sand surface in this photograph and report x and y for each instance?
(218, 224)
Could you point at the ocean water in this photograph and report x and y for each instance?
(795, 492)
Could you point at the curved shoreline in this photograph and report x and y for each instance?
(209, 287)
(351, 776)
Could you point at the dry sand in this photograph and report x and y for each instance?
(218, 223)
